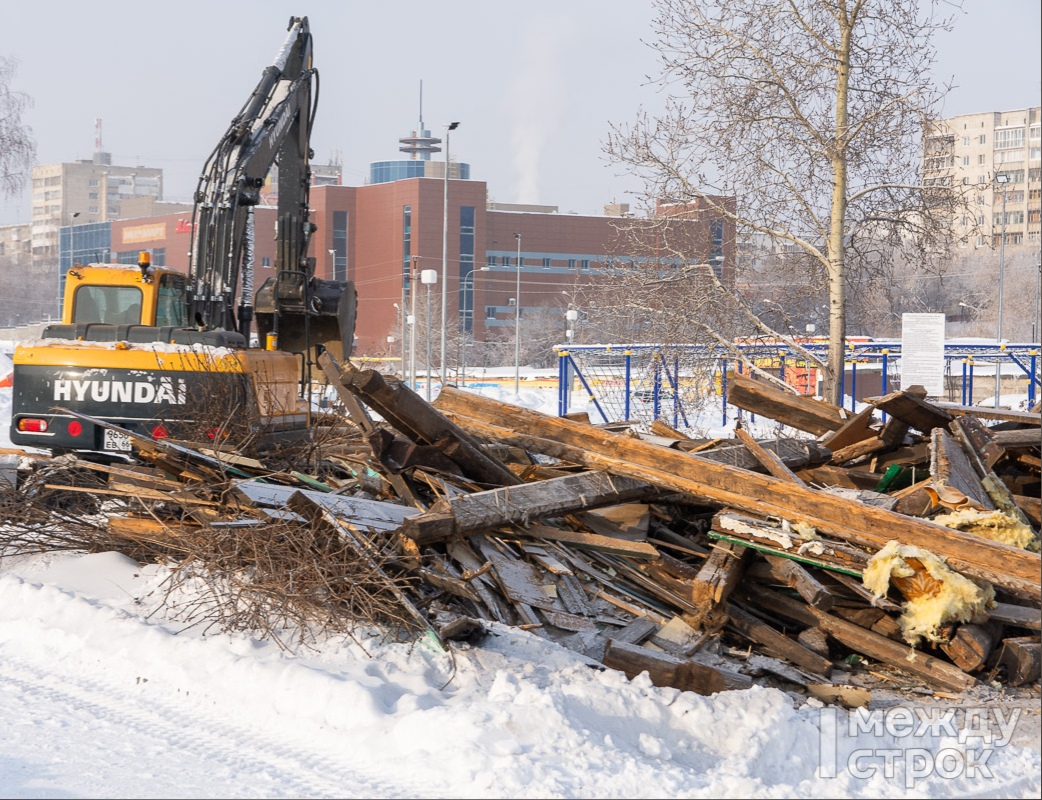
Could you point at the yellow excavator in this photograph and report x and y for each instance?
(158, 352)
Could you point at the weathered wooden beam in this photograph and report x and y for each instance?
(856, 429)
(770, 461)
(408, 413)
(971, 645)
(975, 439)
(778, 643)
(913, 410)
(719, 575)
(1012, 568)
(806, 585)
(863, 448)
(929, 669)
(587, 541)
(1021, 616)
(1022, 658)
(554, 497)
(788, 408)
(1031, 417)
(667, 670)
(950, 466)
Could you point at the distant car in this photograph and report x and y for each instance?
(648, 396)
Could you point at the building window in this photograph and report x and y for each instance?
(407, 248)
(546, 263)
(965, 141)
(983, 139)
(584, 265)
(982, 159)
(266, 261)
(965, 161)
(571, 263)
(340, 246)
(1008, 139)
(492, 261)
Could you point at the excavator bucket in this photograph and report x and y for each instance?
(303, 313)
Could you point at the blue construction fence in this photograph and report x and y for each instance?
(673, 383)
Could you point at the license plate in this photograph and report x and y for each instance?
(116, 440)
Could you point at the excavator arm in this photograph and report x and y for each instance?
(295, 309)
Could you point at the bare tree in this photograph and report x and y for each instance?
(17, 146)
(813, 115)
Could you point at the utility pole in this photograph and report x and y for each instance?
(517, 321)
(445, 259)
(1002, 178)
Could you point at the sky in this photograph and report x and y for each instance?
(533, 85)
(105, 694)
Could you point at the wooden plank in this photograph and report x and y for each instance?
(554, 497)
(912, 410)
(806, 585)
(1031, 507)
(1010, 567)
(1022, 658)
(588, 541)
(667, 670)
(1022, 438)
(777, 643)
(774, 465)
(519, 581)
(718, 576)
(981, 412)
(971, 645)
(371, 514)
(929, 669)
(858, 450)
(408, 413)
(636, 631)
(951, 467)
(970, 432)
(854, 430)
(794, 410)
(1020, 616)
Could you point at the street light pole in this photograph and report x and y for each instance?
(462, 355)
(445, 255)
(517, 321)
(413, 277)
(1001, 178)
(427, 277)
(1038, 285)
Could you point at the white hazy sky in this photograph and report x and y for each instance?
(534, 84)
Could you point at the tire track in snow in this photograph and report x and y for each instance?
(147, 725)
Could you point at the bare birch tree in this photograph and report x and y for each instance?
(17, 146)
(813, 116)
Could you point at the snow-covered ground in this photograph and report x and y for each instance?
(101, 697)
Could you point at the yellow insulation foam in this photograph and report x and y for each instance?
(934, 594)
(991, 525)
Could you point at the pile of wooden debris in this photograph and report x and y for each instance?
(852, 552)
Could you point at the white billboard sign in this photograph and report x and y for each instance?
(922, 352)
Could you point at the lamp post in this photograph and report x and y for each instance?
(1038, 285)
(462, 355)
(445, 254)
(427, 277)
(413, 277)
(517, 322)
(1002, 179)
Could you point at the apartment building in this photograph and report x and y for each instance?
(1000, 154)
(85, 191)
